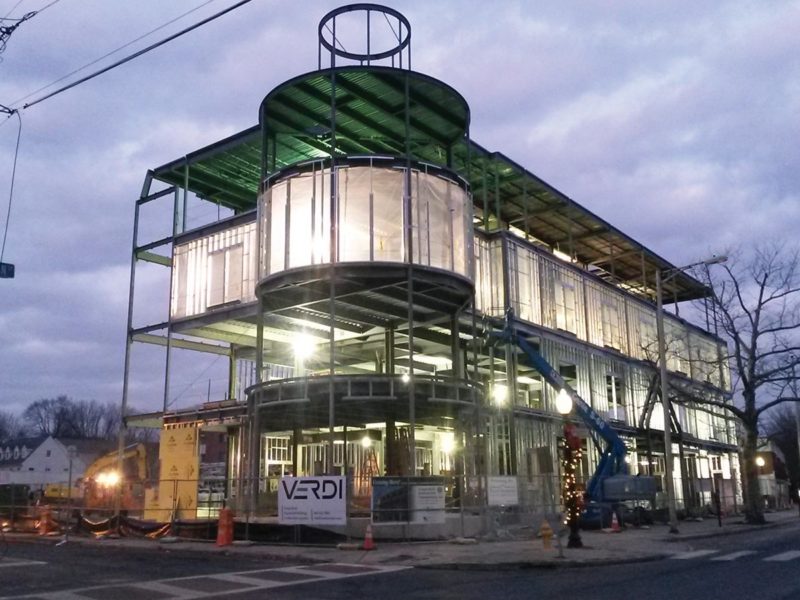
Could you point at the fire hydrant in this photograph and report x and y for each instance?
(546, 533)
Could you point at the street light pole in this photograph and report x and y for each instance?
(665, 404)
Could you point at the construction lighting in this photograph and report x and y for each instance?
(406, 378)
(500, 394)
(107, 478)
(448, 443)
(366, 442)
(303, 345)
(760, 462)
(563, 402)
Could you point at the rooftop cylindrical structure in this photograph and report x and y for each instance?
(365, 253)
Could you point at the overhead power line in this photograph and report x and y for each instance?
(13, 177)
(13, 8)
(107, 54)
(7, 30)
(137, 54)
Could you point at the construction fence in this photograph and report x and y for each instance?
(496, 502)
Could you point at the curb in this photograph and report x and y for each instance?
(540, 564)
(724, 532)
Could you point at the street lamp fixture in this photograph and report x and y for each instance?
(563, 402)
(661, 278)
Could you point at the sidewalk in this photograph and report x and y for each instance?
(600, 548)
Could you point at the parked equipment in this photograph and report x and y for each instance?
(611, 485)
(103, 475)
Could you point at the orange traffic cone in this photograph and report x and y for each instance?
(615, 528)
(369, 543)
(225, 527)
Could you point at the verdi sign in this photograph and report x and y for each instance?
(312, 501)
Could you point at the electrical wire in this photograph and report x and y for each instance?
(112, 52)
(13, 8)
(11, 191)
(137, 54)
(7, 30)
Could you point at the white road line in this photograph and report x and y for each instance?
(784, 556)
(173, 587)
(175, 592)
(693, 554)
(244, 580)
(59, 596)
(734, 555)
(20, 563)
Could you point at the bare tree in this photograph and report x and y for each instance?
(64, 417)
(10, 426)
(756, 305)
(47, 416)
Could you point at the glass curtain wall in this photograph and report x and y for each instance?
(370, 217)
(214, 270)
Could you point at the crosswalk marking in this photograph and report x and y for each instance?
(784, 556)
(200, 586)
(693, 554)
(734, 555)
(20, 563)
(731, 556)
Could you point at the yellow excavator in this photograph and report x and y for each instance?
(103, 475)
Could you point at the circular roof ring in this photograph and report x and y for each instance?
(402, 34)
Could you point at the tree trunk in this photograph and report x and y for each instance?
(753, 501)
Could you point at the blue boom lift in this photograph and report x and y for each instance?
(611, 484)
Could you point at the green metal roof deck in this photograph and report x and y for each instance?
(371, 119)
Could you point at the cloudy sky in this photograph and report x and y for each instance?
(676, 121)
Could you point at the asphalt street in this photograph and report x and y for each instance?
(763, 565)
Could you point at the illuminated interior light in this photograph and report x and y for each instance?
(406, 378)
(500, 394)
(302, 345)
(448, 443)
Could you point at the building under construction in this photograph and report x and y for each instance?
(370, 248)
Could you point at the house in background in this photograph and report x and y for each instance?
(45, 460)
(773, 478)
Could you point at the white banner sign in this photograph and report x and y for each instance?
(502, 491)
(312, 501)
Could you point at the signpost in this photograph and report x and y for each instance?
(312, 500)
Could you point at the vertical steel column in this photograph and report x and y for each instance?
(455, 347)
(484, 197)
(168, 357)
(412, 418)
(254, 429)
(525, 207)
(185, 196)
(662, 356)
(232, 374)
(334, 255)
(123, 429)
(497, 207)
